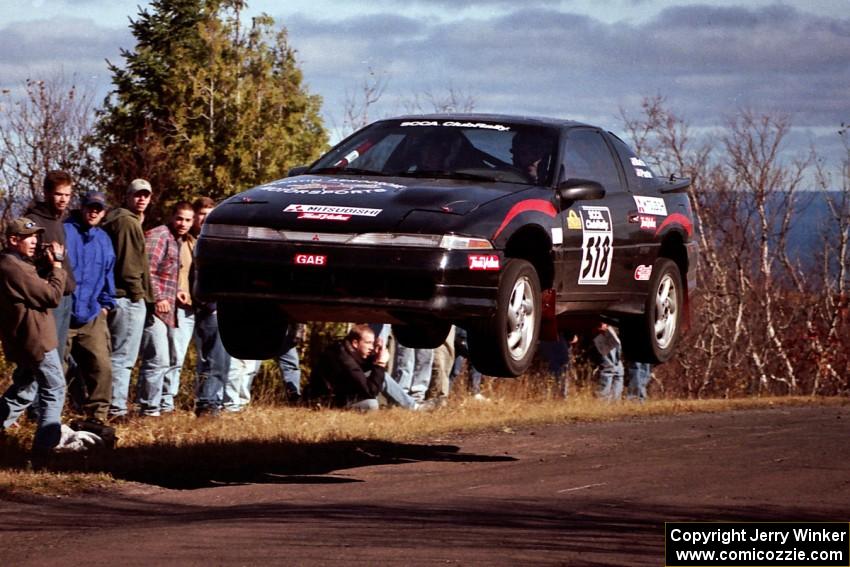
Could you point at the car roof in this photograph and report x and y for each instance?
(513, 118)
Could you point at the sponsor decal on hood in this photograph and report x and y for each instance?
(326, 212)
(329, 186)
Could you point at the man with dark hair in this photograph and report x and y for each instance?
(93, 261)
(352, 372)
(49, 214)
(202, 207)
(167, 335)
(531, 155)
(132, 289)
(29, 333)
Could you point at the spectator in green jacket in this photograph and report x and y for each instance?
(132, 289)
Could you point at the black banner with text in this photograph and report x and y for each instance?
(745, 544)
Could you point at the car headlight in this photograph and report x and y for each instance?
(445, 241)
(453, 242)
(240, 231)
(392, 239)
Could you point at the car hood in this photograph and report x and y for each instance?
(356, 204)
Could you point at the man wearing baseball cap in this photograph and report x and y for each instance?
(92, 260)
(132, 289)
(28, 331)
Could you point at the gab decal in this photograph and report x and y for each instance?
(311, 260)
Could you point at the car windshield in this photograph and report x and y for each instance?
(447, 149)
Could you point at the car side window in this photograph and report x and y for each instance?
(638, 173)
(587, 156)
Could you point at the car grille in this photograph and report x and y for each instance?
(316, 281)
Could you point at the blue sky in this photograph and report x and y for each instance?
(580, 59)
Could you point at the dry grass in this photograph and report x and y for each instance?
(181, 451)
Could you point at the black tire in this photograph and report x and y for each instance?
(504, 345)
(422, 335)
(252, 330)
(653, 336)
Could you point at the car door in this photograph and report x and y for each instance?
(592, 260)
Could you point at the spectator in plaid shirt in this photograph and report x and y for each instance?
(168, 332)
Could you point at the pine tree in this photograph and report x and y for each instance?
(206, 105)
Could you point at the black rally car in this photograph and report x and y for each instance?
(510, 227)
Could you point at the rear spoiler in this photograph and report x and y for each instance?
(675, 184)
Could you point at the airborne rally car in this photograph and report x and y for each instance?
(510, 227)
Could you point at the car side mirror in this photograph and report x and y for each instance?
(298, 170)
(580, 190)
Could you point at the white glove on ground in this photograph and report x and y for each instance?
(77, 441)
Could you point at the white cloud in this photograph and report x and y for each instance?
(706, 60)
(547, 57)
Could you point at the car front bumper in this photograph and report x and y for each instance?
(341, 282)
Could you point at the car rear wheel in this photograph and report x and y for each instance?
(653, 336)
(252, 330)
(422, 335)
(504, 344)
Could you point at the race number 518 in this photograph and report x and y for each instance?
(597, 246)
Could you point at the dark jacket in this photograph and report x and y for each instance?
(340, 378)
(26, 324)
(93, 261)
(132, 276)
(53, 232)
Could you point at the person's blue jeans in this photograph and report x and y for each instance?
(126, 325)
(412, 370)
(394, 393)
(163, 352)
(62, 316)
(474, 376)
(237, 388)
(609, 384)
(213, 360)
(639, 375)
(46, 378)
(557, 356)
(290, 369)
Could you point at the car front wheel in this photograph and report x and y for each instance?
(504, 344)
(653, 337)
(252, 330)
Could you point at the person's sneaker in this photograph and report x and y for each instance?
(479, 397)
(429, 405)
(40, 458)
(207, 411)
(122, 419)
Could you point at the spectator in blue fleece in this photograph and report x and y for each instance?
(92, 259)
